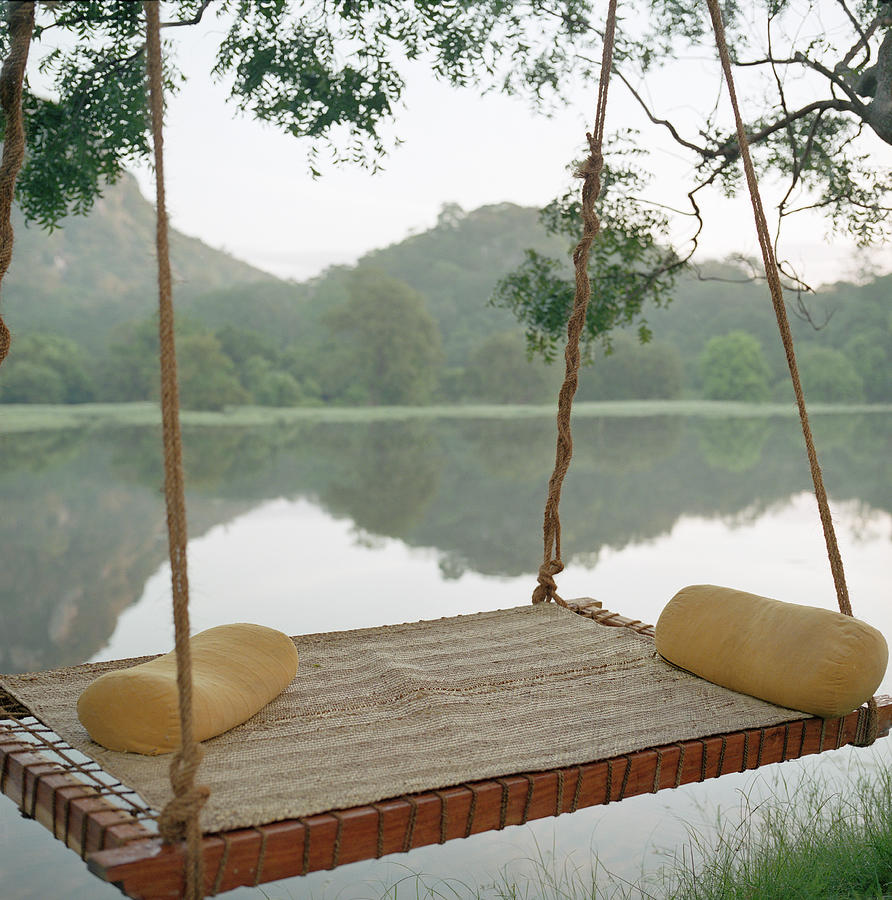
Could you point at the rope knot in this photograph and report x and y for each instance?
(591, 167)
(546, 590)
(188, 799)
(174, 816)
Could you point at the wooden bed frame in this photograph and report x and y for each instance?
(114, 831)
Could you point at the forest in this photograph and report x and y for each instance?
(411, 323)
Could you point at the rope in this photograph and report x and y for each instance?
(590, 172)
(773, 277)
(12, 76)
(777, 299)
(179, 818)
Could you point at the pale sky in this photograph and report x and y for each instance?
(243, 187)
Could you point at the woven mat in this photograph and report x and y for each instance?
(380, 712)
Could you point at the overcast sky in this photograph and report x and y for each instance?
(243, 187)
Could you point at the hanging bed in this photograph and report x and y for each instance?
(400, 736)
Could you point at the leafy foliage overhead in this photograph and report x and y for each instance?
(816, 79)
(815, 76)
(330, 72)
(630, 263)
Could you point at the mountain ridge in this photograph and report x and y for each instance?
(95, 271)
(93, 281)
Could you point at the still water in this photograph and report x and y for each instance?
(322, 526)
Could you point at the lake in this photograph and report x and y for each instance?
(324, 523)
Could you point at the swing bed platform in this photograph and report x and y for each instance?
(113, 828)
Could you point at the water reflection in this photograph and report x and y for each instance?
(733, 445)
(386, 477)
(82, 528)
(319, 526)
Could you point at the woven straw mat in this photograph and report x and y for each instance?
(379, 712)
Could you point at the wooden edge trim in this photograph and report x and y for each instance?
(592, 609)
(146, 869)
(73, 811)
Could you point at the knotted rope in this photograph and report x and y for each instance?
(180, 817)
(12, 76)
(590, 172)
(777, 299)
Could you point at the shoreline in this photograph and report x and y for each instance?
(18, 418)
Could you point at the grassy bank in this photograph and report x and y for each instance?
(807, 841)
(814, 842)
(822, 840)
(21, 417)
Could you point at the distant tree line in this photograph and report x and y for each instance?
(373, 341)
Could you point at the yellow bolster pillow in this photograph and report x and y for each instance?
(236, 671)
(814, 660)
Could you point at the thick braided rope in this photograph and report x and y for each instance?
(179, 818)
(12, 76)
(590, 172)
(777, 299)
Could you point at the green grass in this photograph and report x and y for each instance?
(22, 417)
(812, 842)
(809, 840)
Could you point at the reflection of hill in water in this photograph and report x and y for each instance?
(83, 526)
(77, 543)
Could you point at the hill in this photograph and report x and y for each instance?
(96, 271)
(457, 263)
(414, 316)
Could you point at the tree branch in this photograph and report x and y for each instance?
(857, 106)
(799, 162)
(836, 198)
(768, 61)
(791, 137)
(881, 21)
(730, 149)
(116, 64)
(697, 213)
(666, 124)
(193, 21)
(854, 21)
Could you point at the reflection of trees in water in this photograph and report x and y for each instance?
(212, 457)
(626, 445)
(37, 450)
(488, 515)
(868, 452)
(509, 448)
(632, 479)
(82, 529)
(83, 522)
(390, 477)
(734, 445)
(75, 549)
(519, 448)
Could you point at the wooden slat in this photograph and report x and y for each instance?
(249, 856)
(73, 811)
